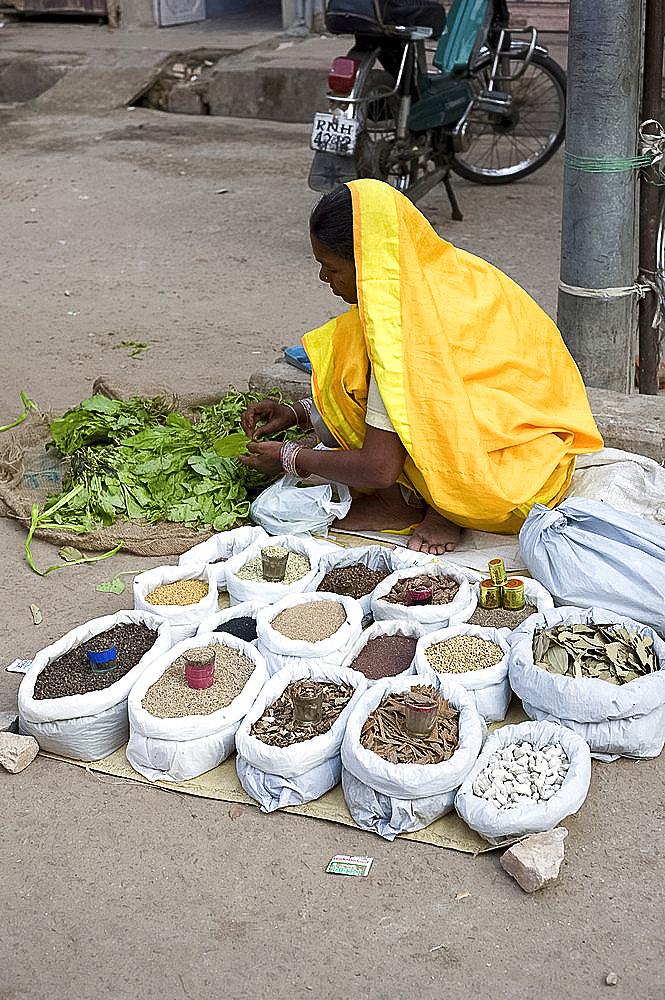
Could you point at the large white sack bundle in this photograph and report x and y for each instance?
(174, 749)
(389, 799)
(282, 651)
(216, 551)
(387, 627)
(241, 590)
(184, 619)
(92, 725)
(501, 825)
(285, 776)
(616, 720)
(432, 616)
(588, 554)
(489, 687)
(374, 557)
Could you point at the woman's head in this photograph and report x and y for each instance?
(331, 233)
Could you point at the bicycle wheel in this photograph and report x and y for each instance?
(507, 147)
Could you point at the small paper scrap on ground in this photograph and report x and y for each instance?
(18, 666)
(37, 616)
(346, 864)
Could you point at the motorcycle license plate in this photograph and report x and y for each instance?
(333, 134)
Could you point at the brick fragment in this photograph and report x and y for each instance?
(535, 861)
(16, 752)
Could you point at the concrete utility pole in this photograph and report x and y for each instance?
(596, 311)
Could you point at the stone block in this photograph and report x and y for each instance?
(8, 722)
(535, 861)
(16, 752)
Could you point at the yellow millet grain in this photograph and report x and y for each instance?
(179, 592)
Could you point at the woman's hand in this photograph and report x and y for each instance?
(265, 418)
(264, 457)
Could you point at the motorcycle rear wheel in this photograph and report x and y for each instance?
(505, 149)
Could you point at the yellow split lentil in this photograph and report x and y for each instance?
(463, 652)
(179, 592)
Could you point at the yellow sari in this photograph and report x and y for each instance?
(475, 377)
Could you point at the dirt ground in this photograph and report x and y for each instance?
(189, 235)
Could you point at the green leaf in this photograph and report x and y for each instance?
(114, 586)
(232, 445)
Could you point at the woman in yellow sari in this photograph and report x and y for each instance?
(448, 394)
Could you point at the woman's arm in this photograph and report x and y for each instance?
(375, 466)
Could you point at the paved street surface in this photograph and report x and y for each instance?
(189, 235)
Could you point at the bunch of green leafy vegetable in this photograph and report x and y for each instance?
(140, 459)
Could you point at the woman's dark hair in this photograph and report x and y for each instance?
(331, 222)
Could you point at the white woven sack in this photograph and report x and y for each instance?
(223, 546)
(248, 609)
(179, 748)
(184, 619)
(433, 616)
(489, 687)
(386, 627)
(280, 651)
(287, 776)
(241, 591)
(92, 725)
(399, 798)
(500, 826)
(626, 720)
(375, 557)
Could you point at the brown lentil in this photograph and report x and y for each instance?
(358, 578)
(501, 617)
(170, 697)
(385, 656)
(444, 588)
(71, 673)
(311, 621)
(181, 592)
(462, 653)
(297, 566)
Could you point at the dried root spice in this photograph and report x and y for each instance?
(444, 588)
(384, 731)
(608, 652)
(277, 726)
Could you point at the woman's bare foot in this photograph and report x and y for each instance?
(384, 510)
(435, 534)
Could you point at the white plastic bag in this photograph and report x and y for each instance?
(184, 619)
(174, 749)
(399, 798)
(387, 626)
(500, 826)
(375, 557)
(281, 651)
(92, 725)
(241, 590)
(489, 687)
(432, 616)
(588, 554)
(221, 547)
(290, 506)
(287, 776)
(615, 719)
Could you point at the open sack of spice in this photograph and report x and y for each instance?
(476, 658)
(385, 649)
(186, 708)
(312, 628)
(289, 743)
(596, 673)
(587, 553)
(239, 620)
(435, 593)
(358, 571)
(73, 698)
(497, 615)
(527, 779)
(183, 595)
(268, 570)
(409, 744)
(216, 551)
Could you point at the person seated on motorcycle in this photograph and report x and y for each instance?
(448, 394)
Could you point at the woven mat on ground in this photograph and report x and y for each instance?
(222, 783)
